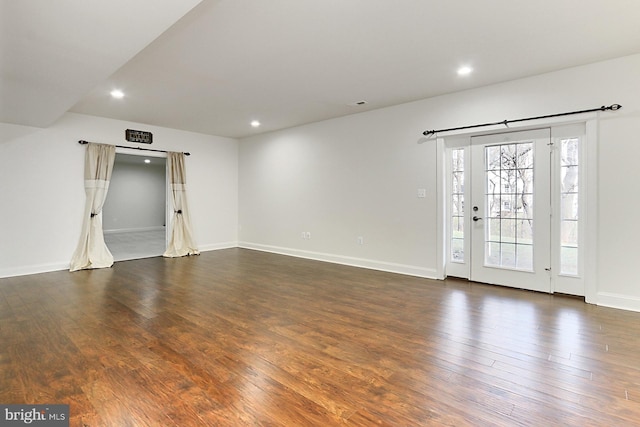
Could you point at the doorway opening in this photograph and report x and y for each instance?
(135, 210)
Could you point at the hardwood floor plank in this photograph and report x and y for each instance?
(238, 337)
(278, 404)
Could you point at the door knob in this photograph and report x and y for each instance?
(475, 218)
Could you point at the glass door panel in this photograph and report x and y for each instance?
(509, 203)
(510, 231)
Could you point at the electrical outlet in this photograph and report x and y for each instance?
(422, 193)
(303, 235)
(307, 235)
(360, 240)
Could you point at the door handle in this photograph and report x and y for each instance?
(475, 218)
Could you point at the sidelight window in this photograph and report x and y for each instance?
(457, 205)
(569, 205)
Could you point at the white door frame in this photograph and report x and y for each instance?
(589, 197)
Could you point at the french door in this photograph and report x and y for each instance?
(517, 221)
(510, 209)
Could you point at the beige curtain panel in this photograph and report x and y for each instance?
(181, 242)
(92, 252)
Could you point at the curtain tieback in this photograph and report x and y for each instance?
(93, 214)
(179, 211)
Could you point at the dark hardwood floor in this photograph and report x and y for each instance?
(238, 337)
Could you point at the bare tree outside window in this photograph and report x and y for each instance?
(509, 204)
(569, 204)
(457, 205)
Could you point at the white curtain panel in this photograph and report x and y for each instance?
(181, 242)
(92, 252)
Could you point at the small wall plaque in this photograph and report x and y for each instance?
(140, 136)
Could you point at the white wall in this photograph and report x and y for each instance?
(137, 194)
(358, 176)
(42, 195)
(338, 179)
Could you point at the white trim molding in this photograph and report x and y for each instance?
(33, 269)
(619, 301)
(217, 246)
(134, 230)
(58, 266)
(591, 203)
(409, 270)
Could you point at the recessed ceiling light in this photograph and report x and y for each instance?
(464, 71)
(255, 123)
(117, 93)
(147, 161)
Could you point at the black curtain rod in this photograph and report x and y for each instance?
(83, 142)
(612, 107)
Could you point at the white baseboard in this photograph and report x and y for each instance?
(606, 299)
(33, 269)
(409, 270)
(623, 302)
(217, 246)
(47, 268)
(134, 230)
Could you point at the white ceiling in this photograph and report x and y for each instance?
(284, 62)
(53, 53)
